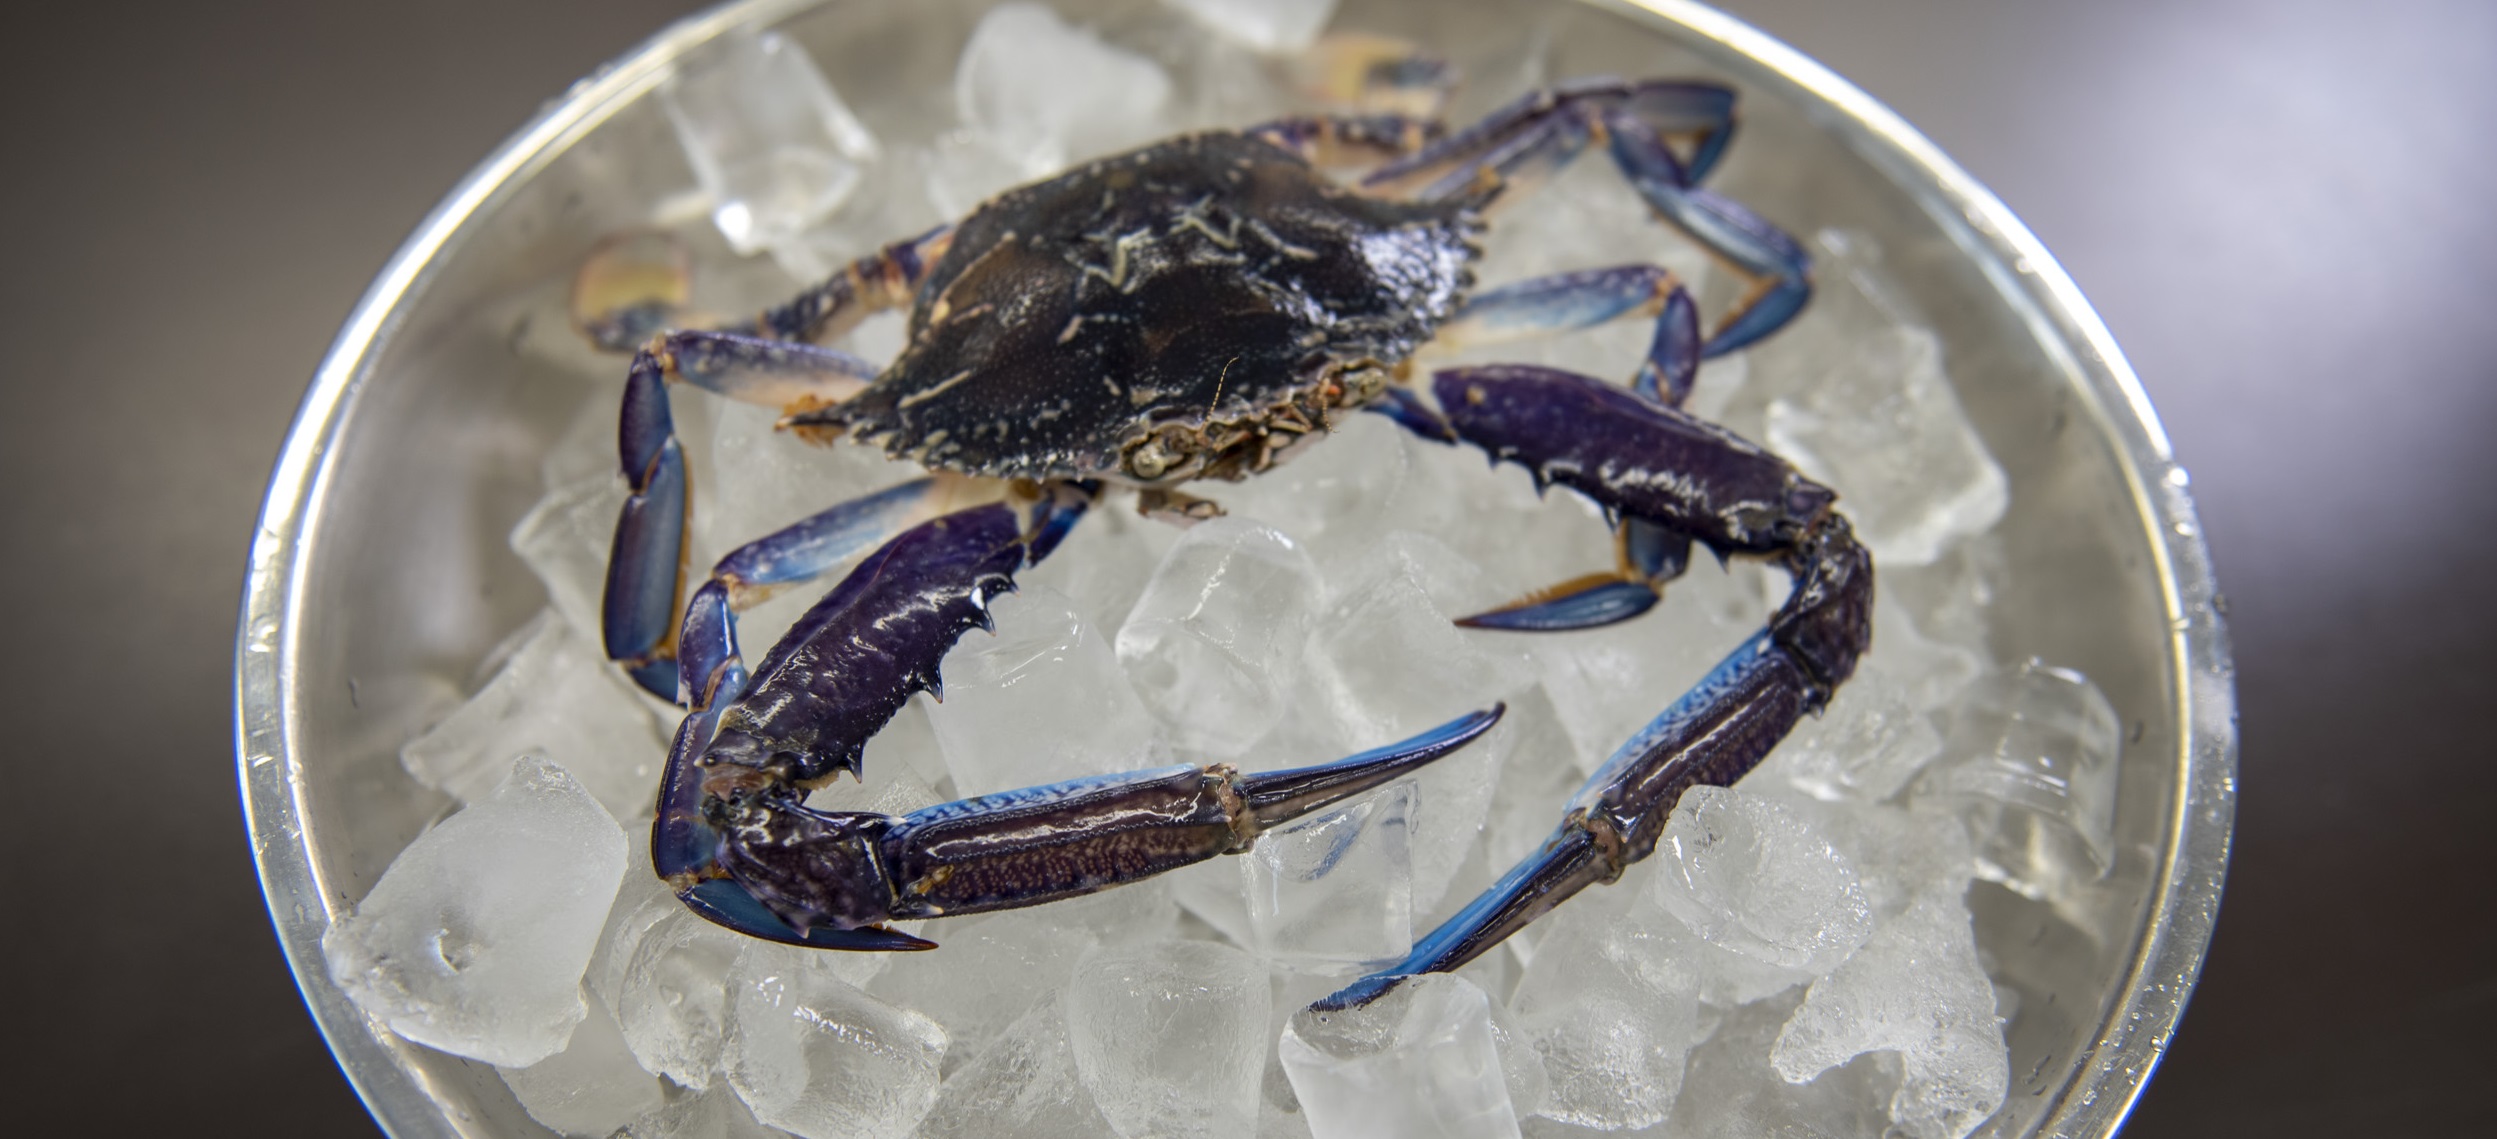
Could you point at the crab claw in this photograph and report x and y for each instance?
(739, 846)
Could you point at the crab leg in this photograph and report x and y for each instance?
(742, 850)
(1646, 461)
(1779, 269)
(645, 565)
(1338, 140)
(1585, 298)
(881, 280)
(1518, 145)
(1704, 112)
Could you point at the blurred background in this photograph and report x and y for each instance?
(2279, 207)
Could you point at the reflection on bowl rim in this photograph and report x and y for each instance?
(2186, 881)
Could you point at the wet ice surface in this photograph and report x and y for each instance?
(768, 138)
(1209, 641)
(1417, 1064)
(814, 1056)
(1043, 699)
(1915, 989)
(1335, 888)
(1795, 959)
(1746, 874)
(475, 939)
(1039, 93)
(2032, 767)
(593, 1086)
(1170, 1038)
(553, 698)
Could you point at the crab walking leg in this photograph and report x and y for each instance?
(1337, 140)
(884, 279)
(1704, 112)
(1564, 302)
(646, 561)
(1692, 467)
(734, 839)
(1719, 731)
(1778, 268)
(1519, 145)
(1023, 848)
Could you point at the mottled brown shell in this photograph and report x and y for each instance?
(1177, 311)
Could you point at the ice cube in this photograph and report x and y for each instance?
(475, 939)
(1210, 643)
(1611, 1010)
(1023, 1085)
(991, 969)
(1521, 1067)
(1104, 563)
(642, 899)
(1041, 701)
(1900, 853)
(1214, 893)
(1878, 731)
(1537, 779)
(1915, 988)
(673, 1003)
(1950, 601)
(1386, 661)
(1335, 889)
(769, 140)
(1731, 1092)
(1171, 1037)
(1887, 431)
(1341, 491)
(1268, 25)
(1418, 1062)
(1747, 874)
(1865, 745)
(565, 540)
(1045, 93)
(557, 698)
(758, 480)
(2031, 767)
(713, 1113)
(965, 168)
(1123, 915)
(813, 1055)
(592, 1087)
(1608, 683)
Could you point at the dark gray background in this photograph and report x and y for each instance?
(2281, 208)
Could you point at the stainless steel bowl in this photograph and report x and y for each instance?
(380, 559)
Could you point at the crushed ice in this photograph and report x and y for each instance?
(1796, 958)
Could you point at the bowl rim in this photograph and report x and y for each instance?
(2134, 1031)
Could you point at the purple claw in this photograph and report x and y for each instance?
(848, 665)
(1587, 603)
(1411, 413)
(1633, 455)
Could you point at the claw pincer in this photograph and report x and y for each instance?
(1649, 463)
(737, 842)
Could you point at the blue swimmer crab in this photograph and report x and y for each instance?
(1199, 308)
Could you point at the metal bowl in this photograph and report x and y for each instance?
(380, 559)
